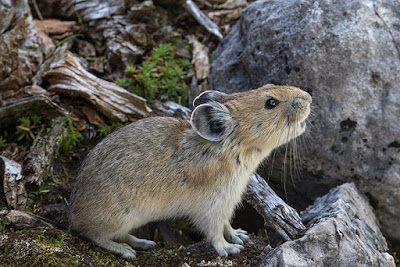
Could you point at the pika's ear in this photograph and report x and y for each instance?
(208, 96)
(212, 121)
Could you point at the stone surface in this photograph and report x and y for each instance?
(342, 231)
(346, 54)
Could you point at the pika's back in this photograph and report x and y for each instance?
(121, 161)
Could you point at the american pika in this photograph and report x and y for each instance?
(160, 168)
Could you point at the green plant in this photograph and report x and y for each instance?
(105, 129)
(71, 134)
(28, 125)
(2, 142)
(162, 73)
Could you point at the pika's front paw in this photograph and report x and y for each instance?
(139, 243)
(237, 236)
(126, 252)
(224, 249)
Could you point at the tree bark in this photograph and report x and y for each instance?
(276, 213)
(43, 151)
(68, 76)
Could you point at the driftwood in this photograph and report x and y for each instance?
(210, 26)
(200, 59)
(13, 183)
(21, 219)
(21, 50)
(276, 213)
(41, 154)
(171, 109)
(68, 76)
(37, 104)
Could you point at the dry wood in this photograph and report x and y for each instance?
(200, 59)
(68, 76)
(210, 26)
(171, 109)
(43, 151)
(37, 104)
(13, 184)
(22, 219)
(21, 50)
(276, 213)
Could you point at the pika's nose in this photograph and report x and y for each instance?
(302, 101)
(307, 97)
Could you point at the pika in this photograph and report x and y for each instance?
(160, 168)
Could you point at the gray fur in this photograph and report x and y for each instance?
(208, 96)
(211, 121)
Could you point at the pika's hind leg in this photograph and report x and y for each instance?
(236, 236)
(138, 243)
(118, 248)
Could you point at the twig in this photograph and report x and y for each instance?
(210, 26)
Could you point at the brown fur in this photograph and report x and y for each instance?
(160, 168)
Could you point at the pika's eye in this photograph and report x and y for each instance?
(271, 103)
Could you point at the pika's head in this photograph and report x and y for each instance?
(268, 116)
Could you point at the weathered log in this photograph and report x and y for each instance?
(21, 50)
(276, 213)
(210, 26)
(68, 76)
(42, 152)
(170, 109)
(37, 104)
(13, 183)
(114, 31)
(200, 59)
(21, 219)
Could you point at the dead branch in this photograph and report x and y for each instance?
(13, 184)
(210, 26)
(68, 76)
(37, 104)
(43, 151)
(276, 213)
(171, 109)
(200, 59)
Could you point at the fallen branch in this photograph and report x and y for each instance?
(42, 153)
(22, 219)
(171, 109)
(68, 76)
(276, 213)
(210, 26)
(13, 184)
(37, 104)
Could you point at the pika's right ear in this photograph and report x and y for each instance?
(212, 121)
(208, 96)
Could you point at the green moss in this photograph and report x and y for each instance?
(49, 247)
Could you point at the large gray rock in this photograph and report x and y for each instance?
(346, 53)
(342, 231)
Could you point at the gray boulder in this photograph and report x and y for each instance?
(342, 231)
(346, 53)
